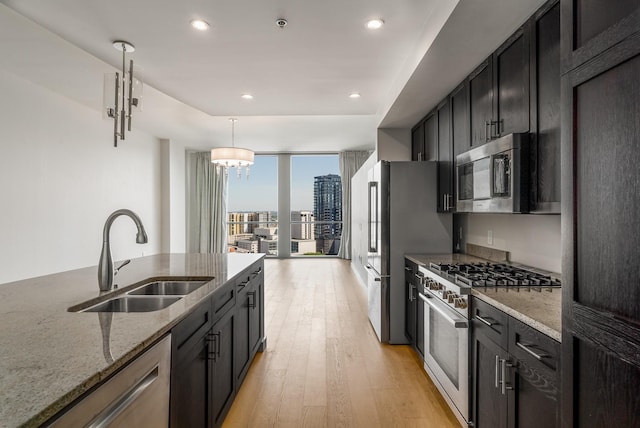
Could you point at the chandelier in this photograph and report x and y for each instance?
(122, 94)
(232, 157)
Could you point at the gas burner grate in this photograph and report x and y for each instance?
(487, 274)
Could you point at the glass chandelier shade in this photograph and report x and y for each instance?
(232, 157)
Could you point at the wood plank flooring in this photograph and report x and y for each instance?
(324, 366)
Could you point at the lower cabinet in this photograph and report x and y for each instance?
(249, 322)
(515, 372)
(414, 310)
(210, 349)
(222, 382)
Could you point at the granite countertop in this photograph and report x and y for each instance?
(50, 356)
(541, 310)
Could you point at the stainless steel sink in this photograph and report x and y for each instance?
(168, 288)
(134, 304)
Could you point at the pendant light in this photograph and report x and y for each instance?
(122, 94)
(232, 157)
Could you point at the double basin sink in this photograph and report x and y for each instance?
(148, 297)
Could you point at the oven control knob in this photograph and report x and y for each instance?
(452, 297)
(435, 286)
(460, 303)
(446, 294)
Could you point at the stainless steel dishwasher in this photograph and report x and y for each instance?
(136, 396)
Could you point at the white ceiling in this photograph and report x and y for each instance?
(300, 76)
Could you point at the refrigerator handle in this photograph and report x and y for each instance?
(373, 217)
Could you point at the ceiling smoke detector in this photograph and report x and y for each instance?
(281, 22)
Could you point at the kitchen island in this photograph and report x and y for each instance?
(50, 356)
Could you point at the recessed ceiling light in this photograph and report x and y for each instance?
(354, 95)
(374, 24)
(199, 24)
(247, 96)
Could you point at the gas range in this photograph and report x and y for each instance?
(452, 283)
(487, 274)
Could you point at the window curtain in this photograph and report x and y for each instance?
(350, 162)
(208, 206)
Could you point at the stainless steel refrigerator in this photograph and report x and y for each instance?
(402, 219)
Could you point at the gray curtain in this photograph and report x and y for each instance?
(350, 162)
(208, 206)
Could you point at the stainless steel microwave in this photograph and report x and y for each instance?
(494, 177)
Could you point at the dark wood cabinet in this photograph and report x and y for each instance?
(515, 372)
(545, 110)
(460, 136)
(221, 355)
(499, 91)
(191, 370)
(417, 142)
(410, 269)
(212, 349)
(511, 85)
(431, 137)
(600, 203)
(248, 321)
(481, 102)
(445, 158)
(489, 404)
(414, 310)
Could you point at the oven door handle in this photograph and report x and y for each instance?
(456, 322)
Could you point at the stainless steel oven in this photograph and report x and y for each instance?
(446, 340)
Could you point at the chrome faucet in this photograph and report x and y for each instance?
(105, 267)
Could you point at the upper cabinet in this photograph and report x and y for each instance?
(445, 158)
(511, 85)
(545, 110)
(417, 142)
(499, 91)
(515, 90)
(481, 102)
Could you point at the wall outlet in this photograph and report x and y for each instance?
(490, 237)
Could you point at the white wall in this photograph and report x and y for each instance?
(394, 144)
(60, 178)
(173, 173)
(533, 240)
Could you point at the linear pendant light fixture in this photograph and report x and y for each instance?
(232, 157)
(125, 93)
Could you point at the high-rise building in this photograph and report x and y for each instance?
(327, 206)
(305, 229)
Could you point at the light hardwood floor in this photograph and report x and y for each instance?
(324, 366)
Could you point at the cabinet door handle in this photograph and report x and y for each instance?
(490, 322)
(213, 338)
(252, 299)
(486, 130)
(217, 343)
(529, 351)
(497, 371)
(503, 370)
(408, 269)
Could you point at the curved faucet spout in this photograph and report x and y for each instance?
(105, 266)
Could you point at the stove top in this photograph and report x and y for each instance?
(489, 274)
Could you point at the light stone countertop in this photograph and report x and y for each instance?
(541, 310)
(50, 356)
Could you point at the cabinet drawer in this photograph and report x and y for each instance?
(195, 324)
(489, 321)
(223, 300)
(532, 347)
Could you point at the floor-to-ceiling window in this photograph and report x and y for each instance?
(307, 188)
(316, 205)
(252, 222)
